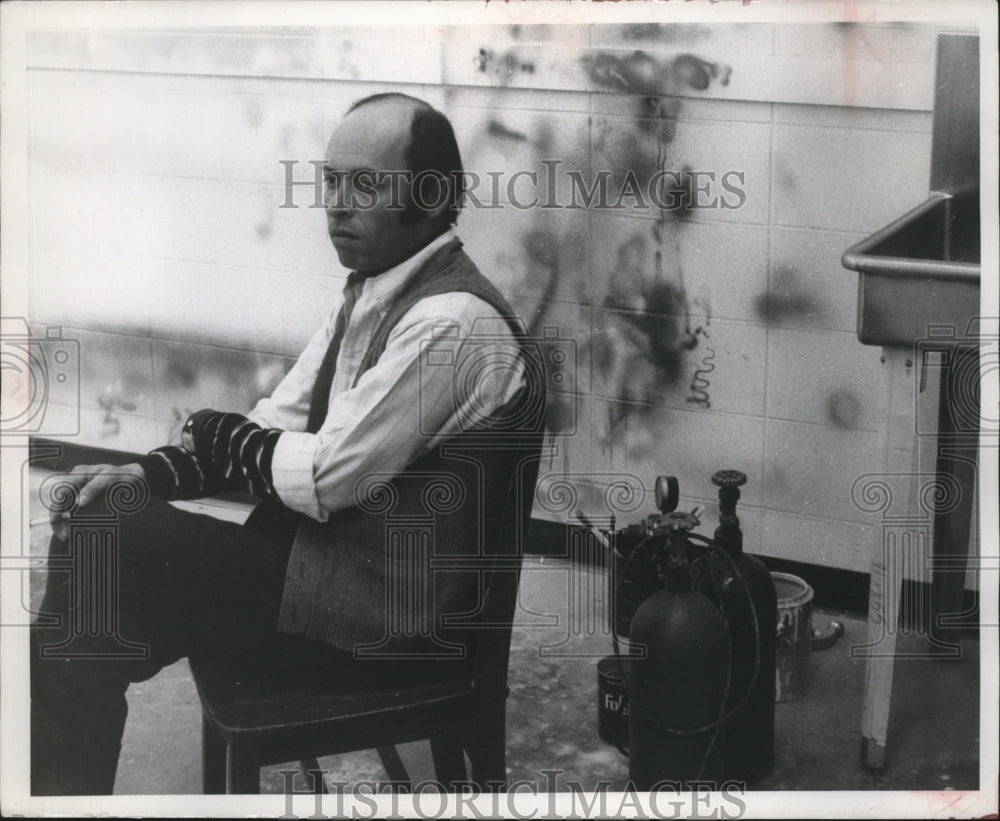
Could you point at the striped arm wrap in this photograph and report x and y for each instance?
(234, 451)
(173, 473)
(223, 451)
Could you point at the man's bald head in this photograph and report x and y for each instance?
(391, 97)
(431, 150)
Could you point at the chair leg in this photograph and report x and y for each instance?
(213, 760)
(243, 770)
(313, 775)
(394, 766)
(449, 760)
(488, 753)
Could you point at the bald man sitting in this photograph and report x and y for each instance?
(362, 416)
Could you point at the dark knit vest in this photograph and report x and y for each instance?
(400, 572)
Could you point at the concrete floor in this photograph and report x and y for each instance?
(552, 714)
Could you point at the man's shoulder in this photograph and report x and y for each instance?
(468, 311)
(452, 287)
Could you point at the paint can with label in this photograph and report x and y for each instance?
(793, 646)
(612, 701)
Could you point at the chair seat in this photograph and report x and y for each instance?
(241, 701)
(271, 706)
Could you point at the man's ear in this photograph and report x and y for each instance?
(431, 194)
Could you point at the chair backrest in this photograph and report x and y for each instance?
(492, 647)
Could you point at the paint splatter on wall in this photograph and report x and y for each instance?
(786, 298)
(500, 67)
(647, 352)
(641, 73)
(652, 337)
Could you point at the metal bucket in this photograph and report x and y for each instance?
(793, 645)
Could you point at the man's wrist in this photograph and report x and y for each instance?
(158, 472)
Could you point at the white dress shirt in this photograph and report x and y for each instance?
(451, 359)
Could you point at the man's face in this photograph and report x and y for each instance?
(362, 195)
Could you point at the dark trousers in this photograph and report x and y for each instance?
(186, 584)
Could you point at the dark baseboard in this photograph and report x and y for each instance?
(833, 588)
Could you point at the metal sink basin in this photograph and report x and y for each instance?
(922, 269)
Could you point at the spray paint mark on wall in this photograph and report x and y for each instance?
(699, 382)
(777, 308)
(501, 67)
(542, 247)
(642, 351)
(180, 373)
(647, 350)
(649, 332)
(637, 73)
(658, 116)
(679, 193)
(495, 128)
(665, 32)
(786, 299)
(843, 408)
(641, 73)
(110, 401)
(695, 73)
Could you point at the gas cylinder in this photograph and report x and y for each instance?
(677, 689)
(743, 588)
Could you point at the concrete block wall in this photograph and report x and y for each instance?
(705, 337)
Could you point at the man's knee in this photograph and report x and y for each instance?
(152, 520)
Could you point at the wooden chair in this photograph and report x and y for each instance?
(459, 706)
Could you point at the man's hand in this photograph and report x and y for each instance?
(89, 482)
